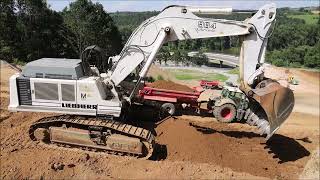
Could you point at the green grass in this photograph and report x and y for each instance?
(184, 74)
(308, 18)
(234, 71)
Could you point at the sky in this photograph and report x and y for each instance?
(150, 5)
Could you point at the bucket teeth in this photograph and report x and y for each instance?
(262, 125)
(247, 114)
(252, 119)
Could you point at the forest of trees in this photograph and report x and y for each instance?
(30, 30)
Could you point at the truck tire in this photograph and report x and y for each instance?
(168, 109)
(225, 113)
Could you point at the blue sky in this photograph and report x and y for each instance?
(144, 5)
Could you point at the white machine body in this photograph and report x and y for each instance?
(81, 96)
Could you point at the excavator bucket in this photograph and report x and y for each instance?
(277, 102)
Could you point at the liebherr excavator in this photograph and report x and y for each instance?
(92, 103)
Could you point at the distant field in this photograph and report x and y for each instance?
(309, 18)
(234, 71)
(182, 74)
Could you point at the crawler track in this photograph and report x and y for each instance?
(84, 123)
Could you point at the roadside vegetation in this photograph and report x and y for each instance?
(185, 74)
(30, 30)
(308, 18)
(295, 40)
(234, 71)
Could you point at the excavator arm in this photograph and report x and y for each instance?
(181, 23)
(271, 101)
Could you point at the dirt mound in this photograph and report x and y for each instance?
(162, 84)
(231, 147)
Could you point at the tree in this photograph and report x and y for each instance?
(29, 30)
(91, 25)
(200, 59)
(185, 59)
(313, 34)
(312, 57)
(176, 56)
(226, 43)
(163, 55)
(8, 33)
(125, 33)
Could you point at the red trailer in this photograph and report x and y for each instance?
(210, 84)
(169, 100)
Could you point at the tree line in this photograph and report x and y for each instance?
(293, 42)
(30, 30)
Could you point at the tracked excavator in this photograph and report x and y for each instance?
(91, 104)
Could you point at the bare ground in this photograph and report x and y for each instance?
(188, 147)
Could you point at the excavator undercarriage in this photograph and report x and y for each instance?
(94, 134)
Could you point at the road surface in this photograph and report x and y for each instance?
(229, 59)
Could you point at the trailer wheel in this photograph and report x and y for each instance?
(225, 113)
(168, 109)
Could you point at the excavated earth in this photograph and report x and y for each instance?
(187, 147)
(169, 85)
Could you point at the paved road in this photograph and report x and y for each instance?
(229, 59)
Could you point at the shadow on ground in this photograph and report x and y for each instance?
(159, 153)
(284, 148)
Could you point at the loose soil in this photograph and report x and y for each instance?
(169, 85)
(229, 146)
(187, 147)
